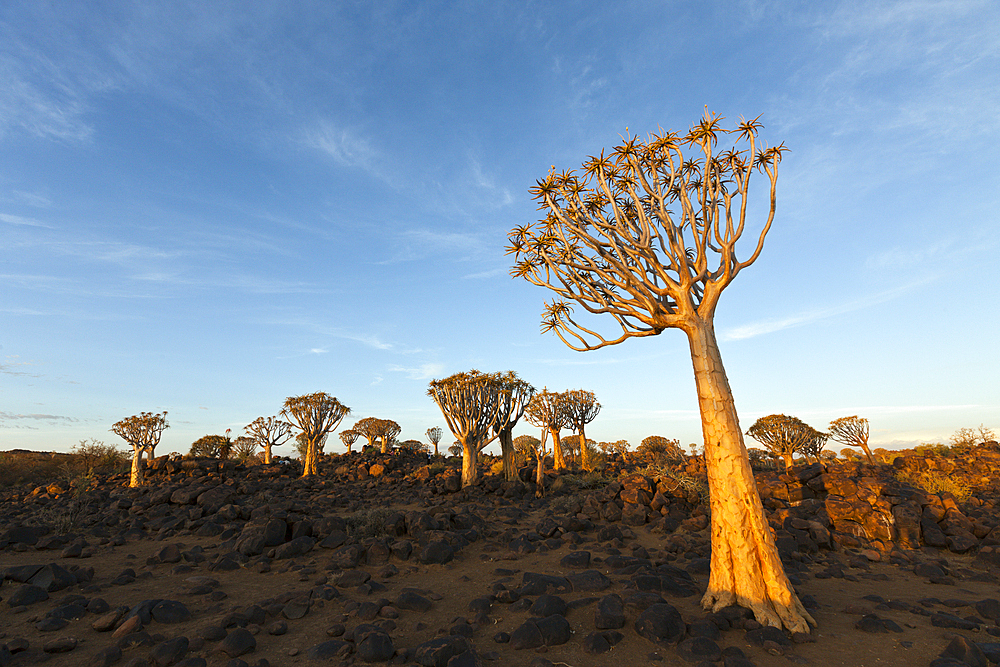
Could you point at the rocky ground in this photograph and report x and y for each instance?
(384, 559)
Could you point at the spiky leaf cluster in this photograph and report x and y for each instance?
(783, 435)
(646, 234)
(473, 403)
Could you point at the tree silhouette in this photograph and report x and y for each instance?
(548, 410)
(582, 408)
(387, 432)
(316, 415)
(472, 404)
(244, 448)
(208, 446)
(647, 237)
(143, 432)
(434, 435)
(513, 401)
(783, 435)
(349, 438)
(853, 432)
(269, 432)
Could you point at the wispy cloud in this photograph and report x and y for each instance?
(807, 317)
(32, 199)
(21, 220)
(492, 273)
(13, 363)
(346, 147)
(36, 417)
(421, 372)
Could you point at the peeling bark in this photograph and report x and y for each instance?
(745, 569)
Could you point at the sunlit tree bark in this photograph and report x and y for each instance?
(316, 415)
(143, 432)
(647, 238)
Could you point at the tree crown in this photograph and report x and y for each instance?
(646, 234)
(142, 430)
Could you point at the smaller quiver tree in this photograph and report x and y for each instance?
(316, 415)
(208, 446)
(471, 403)
(434, 436)
(269, 432)
(387, 430)
(525, 448)
(369, 428)
(548, 410)
(581, 408)
(143, 432)
(782, 435)
(513, 402)
(349, 437)
(245, 449)
(853, 432)
(659, 449)
(813, 448)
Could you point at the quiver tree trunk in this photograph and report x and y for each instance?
(136, 476)
(267, 454)
(309, 465)
(584, 454)
(470, 461)
(558, 462)
(787, 457)
(506, 438)
(745, 567)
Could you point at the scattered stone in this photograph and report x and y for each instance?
(237, 642)
(661, 624)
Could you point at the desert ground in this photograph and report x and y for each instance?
(385, 559)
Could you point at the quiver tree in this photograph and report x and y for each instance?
(853, 432)
(143, 432)
(377, 431)
(434, 436)
(783, 435)
(472, 405)
(646, 236)
(349, 438)
(513, 401)
(581, 409)
(244, 448)
(657, 447)
(813, 449)
(526, 447)
(269, 432)
(316, 415)
(548, 410)
(208, 446)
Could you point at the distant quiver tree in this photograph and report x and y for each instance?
(142, 432)
(269, 432)
(349, 437)
(548, 410)
(472, 405)
(434, 436)
(513, 400)
(646, 236)
(581, 408)
(853, 432)
(316, 415)
(783, 435)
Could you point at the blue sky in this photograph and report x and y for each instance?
(208, 207)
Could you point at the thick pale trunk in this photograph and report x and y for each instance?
(150, 453)
(584, 455)
(436, 450)
(470, 457)
(745, 568)
(540, 470)
(557, 453)
(506, 438)
(136, 477)
(309, 467)
(788, 460)
(385, 445)
(868, 453)
(267, 454)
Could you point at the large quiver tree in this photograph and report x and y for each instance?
(472, 404)
(269, 432)
(143, 432)
(316, 415)
(647, 237)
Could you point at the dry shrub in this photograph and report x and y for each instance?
(369, 522)
(936, 482)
